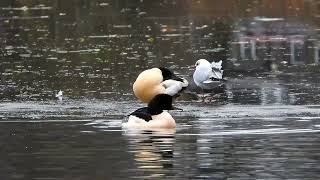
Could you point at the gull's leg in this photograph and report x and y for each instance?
(214, 97)
(202, 96)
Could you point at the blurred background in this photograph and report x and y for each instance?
(263, 124)
(96, 48)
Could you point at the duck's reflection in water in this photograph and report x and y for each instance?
(152, 151)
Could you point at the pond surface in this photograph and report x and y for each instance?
(83, 140)
(264, 123)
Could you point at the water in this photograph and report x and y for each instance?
(84, 140)
(263, 124)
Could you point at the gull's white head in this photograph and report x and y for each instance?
(202, 62)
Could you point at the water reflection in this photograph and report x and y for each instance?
(273, 42)
(240, 148)
(55, 45)
(153, 152)
(260, 91)
(82, 140)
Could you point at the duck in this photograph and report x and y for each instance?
(154, 81)
(154, 116)
(208, 75)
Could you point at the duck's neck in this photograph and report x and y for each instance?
(154, 111)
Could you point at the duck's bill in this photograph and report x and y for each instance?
(176, 108)
(182, 80)
(176, 78)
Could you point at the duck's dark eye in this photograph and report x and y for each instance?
(197, 63)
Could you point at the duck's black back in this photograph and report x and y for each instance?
(142, 113)
(168, 74)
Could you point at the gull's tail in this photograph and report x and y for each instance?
(217, 72)
(217, 65)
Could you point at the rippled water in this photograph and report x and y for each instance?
(264, 123)
(82, 140)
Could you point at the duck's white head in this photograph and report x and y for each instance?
(202, 62)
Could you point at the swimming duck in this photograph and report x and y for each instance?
(208, 75)
(155, 81)
(153, 116)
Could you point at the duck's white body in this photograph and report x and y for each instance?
(160, 121)
(205, 72)
(150, 83)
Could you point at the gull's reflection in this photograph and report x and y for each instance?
(210, 150)
(152, 151)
